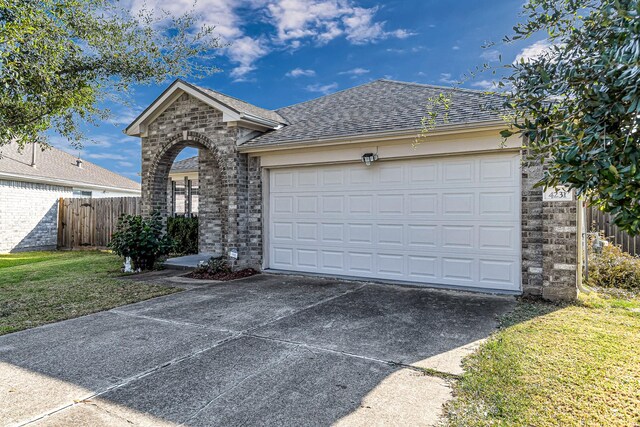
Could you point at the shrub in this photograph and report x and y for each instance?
(613, 268)
(184, 233)
(142, 239)
(215, 265)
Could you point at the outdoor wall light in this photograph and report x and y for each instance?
(369, 158)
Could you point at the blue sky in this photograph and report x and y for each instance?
(286, 51)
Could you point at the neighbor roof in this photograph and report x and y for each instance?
(378, 106)
(186, 165)
(57, 167)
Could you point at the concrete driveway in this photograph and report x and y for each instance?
(267, 350)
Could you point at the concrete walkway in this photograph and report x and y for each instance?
(266, 350)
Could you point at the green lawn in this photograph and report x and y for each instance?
(44, 287)
(572, 365)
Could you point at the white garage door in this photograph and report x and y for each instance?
(448, 221)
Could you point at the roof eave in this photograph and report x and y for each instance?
(66, 183)
(372, 136)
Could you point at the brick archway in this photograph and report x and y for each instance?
(214, 214)
(230, 193)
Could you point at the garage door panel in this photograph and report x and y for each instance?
(422, 204)
(360, 263)
(360, 234)
(332, 261)
(459, 172)
(390, 235)
(498, 238)
(332, 233)
(282, 257)
(390, 264)
(391, 175)
(452, 221)
(390, 204)
(332, 205)
(458, 236)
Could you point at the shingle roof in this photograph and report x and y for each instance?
(54, 164)
(190, 164)
(242, 106)
(378, 106)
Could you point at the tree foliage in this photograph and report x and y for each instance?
(60, 58)
(578, 103)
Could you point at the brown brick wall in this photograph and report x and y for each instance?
(224, 176)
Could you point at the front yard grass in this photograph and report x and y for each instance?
(43, 287)
(572, 365)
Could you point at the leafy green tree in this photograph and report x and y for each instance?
(578, 103)
(60, 58)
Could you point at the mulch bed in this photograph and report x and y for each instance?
(240, 274)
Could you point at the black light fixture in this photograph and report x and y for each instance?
(369, 158)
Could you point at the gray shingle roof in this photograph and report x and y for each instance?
(378, 106)
(58, 165)
(190, 164)
(242, 106)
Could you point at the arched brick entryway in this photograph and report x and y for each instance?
(230, 204)
(216, 214)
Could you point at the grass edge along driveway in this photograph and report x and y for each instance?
(550, 365)
(43, 287)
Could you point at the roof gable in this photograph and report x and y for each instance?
(233, 110)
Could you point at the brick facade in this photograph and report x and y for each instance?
(231, 201)
(29, 215)
(549, 241)
(225, 210)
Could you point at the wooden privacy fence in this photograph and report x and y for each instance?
(89, 223)
(601, 221)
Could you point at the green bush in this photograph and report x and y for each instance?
(613, 268)
(215, 265)
(184, 233)
(142, 239)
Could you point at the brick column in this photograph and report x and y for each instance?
(559, 250)
(549, 241)
(211, 212)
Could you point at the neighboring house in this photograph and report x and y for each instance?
(31, 183)
(183, 197)
(338, 186)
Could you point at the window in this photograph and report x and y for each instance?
(81, 193)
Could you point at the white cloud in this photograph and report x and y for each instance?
(221, 14)
(533, 51)
(486, 84)
(456, 47)
(295, 21)
(323, 89)
(126, 164)
(447, 79)
(218, 13)
(324, 20)
(245, 51)
(355, 72)
(413, 49)
(491, 55)
(124, 117)
(108, 156)
(299, 72)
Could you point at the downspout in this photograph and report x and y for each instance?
(583, 253)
